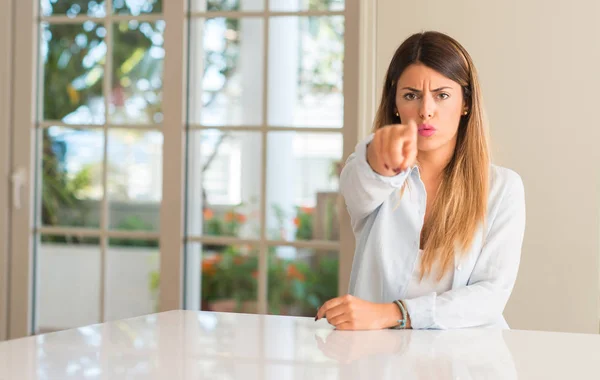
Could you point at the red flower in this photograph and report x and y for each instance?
(294, 273)
(208, 264)
(208, 214)
(307, 210)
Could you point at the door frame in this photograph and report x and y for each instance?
(22, 122)
(6, 46)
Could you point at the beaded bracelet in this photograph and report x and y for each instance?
(402, 322)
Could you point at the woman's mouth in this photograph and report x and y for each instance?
(426, 130)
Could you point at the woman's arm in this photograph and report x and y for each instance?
(363, 189)
(483, 300)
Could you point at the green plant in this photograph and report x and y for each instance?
(229, 225)
(72, 80)
(304, 223)
(154, 281)
(293, 287)
(323, 282)
(59, 191)
(133, 223)
(229, 275)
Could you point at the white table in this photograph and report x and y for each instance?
(203, 345)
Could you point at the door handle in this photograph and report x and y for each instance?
(18, 179)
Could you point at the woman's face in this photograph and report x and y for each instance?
(434, 102)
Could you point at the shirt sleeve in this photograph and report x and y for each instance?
(363, 189)
(482, 301)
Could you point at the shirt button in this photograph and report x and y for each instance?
(459, 267)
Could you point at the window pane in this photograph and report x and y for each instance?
(136, 94)
(132, 278)
(134, 179)
(226, 5)
(229, 277)
(94, 8)
(306, 68)
(137, 7)
(71, 179)
(73, 57)
(223, 184)
(226, 72)
(306, 5)
(68, 283)
(302, 184)
(300, 280)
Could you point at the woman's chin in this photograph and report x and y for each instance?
(427, 145)
(434, 143)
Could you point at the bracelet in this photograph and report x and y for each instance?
(402, 322)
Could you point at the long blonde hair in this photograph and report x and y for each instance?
(461, 202)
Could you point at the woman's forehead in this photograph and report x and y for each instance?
(419, 75)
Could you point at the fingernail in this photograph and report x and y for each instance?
(386, 167)
(316, 317)
(397, 170)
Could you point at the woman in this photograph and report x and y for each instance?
(438, 228)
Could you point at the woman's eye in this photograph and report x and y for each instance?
(443, 96)
(410, 96)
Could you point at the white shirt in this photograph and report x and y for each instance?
(387, 229)
(418, 287)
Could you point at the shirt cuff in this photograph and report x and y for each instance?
(361, 155)
(421, 311)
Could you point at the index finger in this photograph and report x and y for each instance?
(409, 148)
(328, 305)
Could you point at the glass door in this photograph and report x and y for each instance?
(267, 127)
(92, 135)
(221, 195)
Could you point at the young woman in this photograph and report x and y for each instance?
(438, 228)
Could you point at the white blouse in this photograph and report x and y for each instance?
(387, 227)
(429, 284)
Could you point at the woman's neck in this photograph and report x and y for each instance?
(433, 163)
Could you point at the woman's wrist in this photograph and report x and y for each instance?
(374, 163)
(408, 324)
(393, 314)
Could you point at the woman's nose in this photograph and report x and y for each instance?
(427, 108)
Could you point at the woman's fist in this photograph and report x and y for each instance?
(393, 148)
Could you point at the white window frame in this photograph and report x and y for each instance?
(357, 115)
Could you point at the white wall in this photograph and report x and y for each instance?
(538, 63)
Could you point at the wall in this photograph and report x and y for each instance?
(538, 64)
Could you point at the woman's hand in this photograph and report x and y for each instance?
(352, 313)
(393, 148)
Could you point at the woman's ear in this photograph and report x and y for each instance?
(465, 108)
(466, 101)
